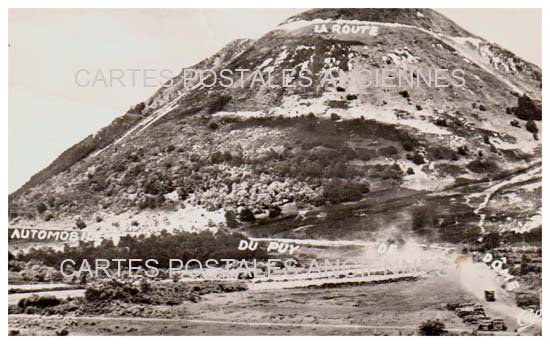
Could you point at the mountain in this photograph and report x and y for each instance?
(330, 159)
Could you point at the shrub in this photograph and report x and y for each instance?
(418, 107)
(152, 202)
(515, 123)
(531, 127)
(463, 150)
(410, 170)
(366, 154)
(133, 157)
(525, 300)
(246, 215)
(39, 301)
(386, 172)
(527, 109)
(441, 153)
(482, 166)
(408, 142)
(137, 109)
(482, 107)
(432, 328)
(350, 154)
(62, 332)
(172, 293)
(12, 213)
(162, 246)
(418, 159)
(351, 97)
(404, 94)
(441, 122)
(388, 151)
(80, 224)
(274, 211)
(41, 207)
(492, 240)
(158, 185)
(421, 218)
(216, 157)
(110, 290)
(231, 219)
(311, 169)
(334, 116)
(338, 191)
(182, 194)
(135, 171)
(227, 156)
(218, 104)
(337, 104)
(213, 125)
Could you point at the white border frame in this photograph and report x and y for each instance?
(275, 4)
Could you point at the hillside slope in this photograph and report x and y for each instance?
(261, 156)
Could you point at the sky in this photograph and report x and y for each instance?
(56, 96)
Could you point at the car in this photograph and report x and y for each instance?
(478, 309)
(246, 275)
(485, 326)
(490, 295)
(492, 325)
(465, 311)
(452, 306)
(499, 325)
(475, 318)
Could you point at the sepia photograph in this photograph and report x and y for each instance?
(274, 171)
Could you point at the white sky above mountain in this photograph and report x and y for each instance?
(49, 111)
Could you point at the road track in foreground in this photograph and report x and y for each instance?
(242, 323)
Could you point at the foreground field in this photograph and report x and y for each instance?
(382, 309)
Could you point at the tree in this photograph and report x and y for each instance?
(432, 328)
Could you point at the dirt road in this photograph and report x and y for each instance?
(106, 325)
